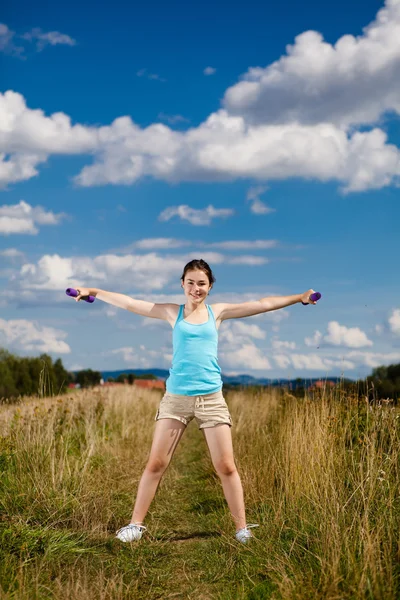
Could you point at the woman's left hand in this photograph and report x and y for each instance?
(306, 297)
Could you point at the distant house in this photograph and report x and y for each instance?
(320, 385)
(150, 383)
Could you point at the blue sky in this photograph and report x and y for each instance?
(262, 139)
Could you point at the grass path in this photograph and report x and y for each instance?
(189, 550)
(191, 532)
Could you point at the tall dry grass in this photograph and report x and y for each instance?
(70, 455)
(320, 476)
(326, 471)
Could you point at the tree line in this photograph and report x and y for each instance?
(40, 376)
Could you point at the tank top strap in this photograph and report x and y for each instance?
(211, 312)
(180, 315)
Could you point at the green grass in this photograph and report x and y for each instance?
(321, 477)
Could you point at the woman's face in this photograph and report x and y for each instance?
(196, 285)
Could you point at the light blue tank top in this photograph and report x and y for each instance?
(195, 368)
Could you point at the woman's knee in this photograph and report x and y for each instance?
(225, 467)
(157, 465)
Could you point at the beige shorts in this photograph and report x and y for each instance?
(208, 409)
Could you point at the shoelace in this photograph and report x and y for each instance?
(248, 527)
(131, 526)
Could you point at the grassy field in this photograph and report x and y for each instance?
(320, 475)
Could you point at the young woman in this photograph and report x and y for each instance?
(194, 387)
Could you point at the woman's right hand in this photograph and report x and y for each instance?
(82, 293)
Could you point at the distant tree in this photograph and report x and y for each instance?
(63, 378)
(384, 383)
(48, 380)
(145, 376)
(35, 368)
(88, 378)
(7, 385)
(380, 373)
(29, 376)
(298, 387)
(121, 377)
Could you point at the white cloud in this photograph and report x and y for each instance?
(42, 39)
(142, 357)
(111, 311)
(28, 137)
(315, 340)
(195, 216)
(30, 336)
(30, 132)
(308, 362)
(239, 328)
(244, 244)
(279, 344)
(154, 76)
(209, 71)
(159, 243)
(352, 82)
(172, 119)
(237, 349)
(247, 260)
(340, 335)
(223, 148)
(247, 356)
(394, 321)
(7, 45)
(257, 206)
(6, 36)
(352, 337)
(312, 362)
(342, 363)
(19, 167)
(22, 218)
(50, 38)
(75, 367)
(170, 243)
(282, 361)
(11, 253)
(276, 316)
(374, 359)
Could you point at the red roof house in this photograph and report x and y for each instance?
(150, 383)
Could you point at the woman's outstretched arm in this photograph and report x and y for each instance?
(247, 309)
(140, 307)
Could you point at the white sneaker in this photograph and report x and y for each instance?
(131, 532)
(243, 535)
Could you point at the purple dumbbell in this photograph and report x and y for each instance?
(72, 292)
(314, 297)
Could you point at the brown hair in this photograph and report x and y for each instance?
(199, 265)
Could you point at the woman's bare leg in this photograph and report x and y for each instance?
(219, 442)
(167, 435)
